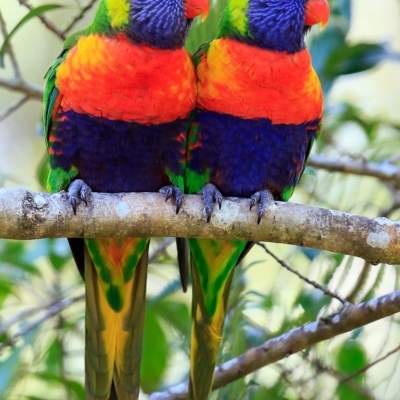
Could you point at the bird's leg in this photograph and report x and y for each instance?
(210, 195)
(78, 191)
(264, 198)
(176, 193)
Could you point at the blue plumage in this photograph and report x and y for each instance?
(118, 156)
(252, 154)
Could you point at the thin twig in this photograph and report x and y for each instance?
(304, 278)
(160, 248)
(362, 279)
(10, 51)
(320, 367)
(367, 367)
(79, 16)
(384, 171)
(20, 85)
(51, 310)
(14, 107)
(49, 25)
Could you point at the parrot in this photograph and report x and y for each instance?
(259, 109)
(116, 108)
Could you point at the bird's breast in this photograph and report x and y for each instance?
(245, 81)
(119, 80)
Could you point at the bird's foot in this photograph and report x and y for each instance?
(176, 193)
(210, 195)
(78, 191)
(264, 198)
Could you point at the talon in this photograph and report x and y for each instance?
(265, 199)
(78, 191)
(254, 199)
(210, 195)
(260, 214)
(176, 193)
(72, 201)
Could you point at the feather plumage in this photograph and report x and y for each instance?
(259, 110)
(116, 108)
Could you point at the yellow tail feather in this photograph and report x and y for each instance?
(114, 339)
(206, 338)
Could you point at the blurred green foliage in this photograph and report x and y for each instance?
(41, 342)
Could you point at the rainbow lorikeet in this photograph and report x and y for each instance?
(258, 113)
(116, 109)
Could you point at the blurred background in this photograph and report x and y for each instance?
(41, 305)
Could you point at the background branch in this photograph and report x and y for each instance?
(29, 215)
(384, 171)
(349, 318)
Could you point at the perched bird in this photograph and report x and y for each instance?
(116, 109)
(258, 113)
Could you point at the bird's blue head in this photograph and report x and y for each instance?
(164, 23)
(159, 23)
(273, 24)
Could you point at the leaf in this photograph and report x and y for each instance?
(73, 388)
(176, 315)
(31, 14)
(357, 58)
(350, 358)
(204, 32)
(155, 352)
(312, 303)
(54, 356)
(9, 367)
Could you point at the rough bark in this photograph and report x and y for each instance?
(29, 215)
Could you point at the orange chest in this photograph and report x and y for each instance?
(245, 81)
(119, 80)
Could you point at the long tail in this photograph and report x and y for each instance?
(212, 263)
(115, 276)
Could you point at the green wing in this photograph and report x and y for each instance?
(51, 95)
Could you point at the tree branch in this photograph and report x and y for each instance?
(384, 171)
(48, 24)
(29, 215)
(349, 318)
(20, 85)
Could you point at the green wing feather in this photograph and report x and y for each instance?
(51, 93)
(58, 179)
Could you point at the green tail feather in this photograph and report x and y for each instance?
(114, 338)
(213, 262)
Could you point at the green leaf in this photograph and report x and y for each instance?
(312, 303)
(175, 314)
(357, 58)
(74, 389)
(350, 358)
(155, 352)
(31, 14)
(204, 32)
(9, 367)
(54, 356)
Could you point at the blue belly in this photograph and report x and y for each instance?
(244, 156)
(117, 156)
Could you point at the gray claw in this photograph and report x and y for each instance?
(176, 193)
(210, 195)
(78, 191)
(264, 198)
